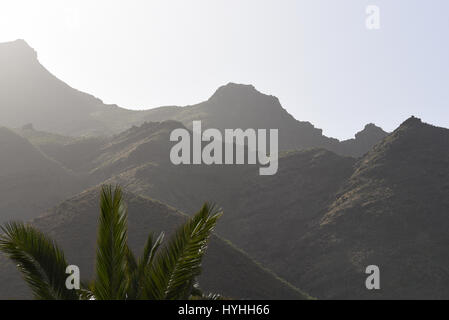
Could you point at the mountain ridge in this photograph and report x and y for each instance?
(75, 113)
(392, 212)
(333, 208)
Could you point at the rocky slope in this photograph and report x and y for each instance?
(30, 182)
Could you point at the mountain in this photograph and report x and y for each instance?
(140, 160)
(30, 182)
(363, 142)
(43, 139)
(392, 212)
(332, 215)
(73, 153)
(332, 209)
(268, 215)
(73, 224)
(31, 94)
(149, 143)
(304, 187)
(242, 106)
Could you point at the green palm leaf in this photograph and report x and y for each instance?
(112, 249)
(173, 272)
(39, 259)
(136, 270)
(150, 250)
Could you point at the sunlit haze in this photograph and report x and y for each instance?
(317, 57)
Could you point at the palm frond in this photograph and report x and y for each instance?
(167, 273)
(87, 290)
(173, 272)
(198, 294)
(136, 270)
(112, 249)
(132, 271)
(39, 259)
(150, 249)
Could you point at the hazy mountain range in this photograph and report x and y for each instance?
(333, 208)
(23, 79)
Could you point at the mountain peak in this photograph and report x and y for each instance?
(237, 86)
(412, 122)
(17, 48)
(372, 131)
(370, 126)
(234, 89)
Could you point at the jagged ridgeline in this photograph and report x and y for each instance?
(332, 208)
(31, 94)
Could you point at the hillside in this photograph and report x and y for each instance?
(267, 229)
(319, 221)
(73, 153)
(140, 160)
(268, 215)
(149, 143)
(392, 212)
(73, 225)
(30, 182)
(333, 215)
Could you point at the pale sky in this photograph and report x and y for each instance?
(316, 56)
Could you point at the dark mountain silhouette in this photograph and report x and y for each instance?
(393, 213)
(270, 230)
(332, 216)
(73, 224)
(242, 106)
(363, 142)
(30, 182)
(139, 158)
(278, 210)
(31, 94)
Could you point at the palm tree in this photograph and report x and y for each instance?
(162, 272)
